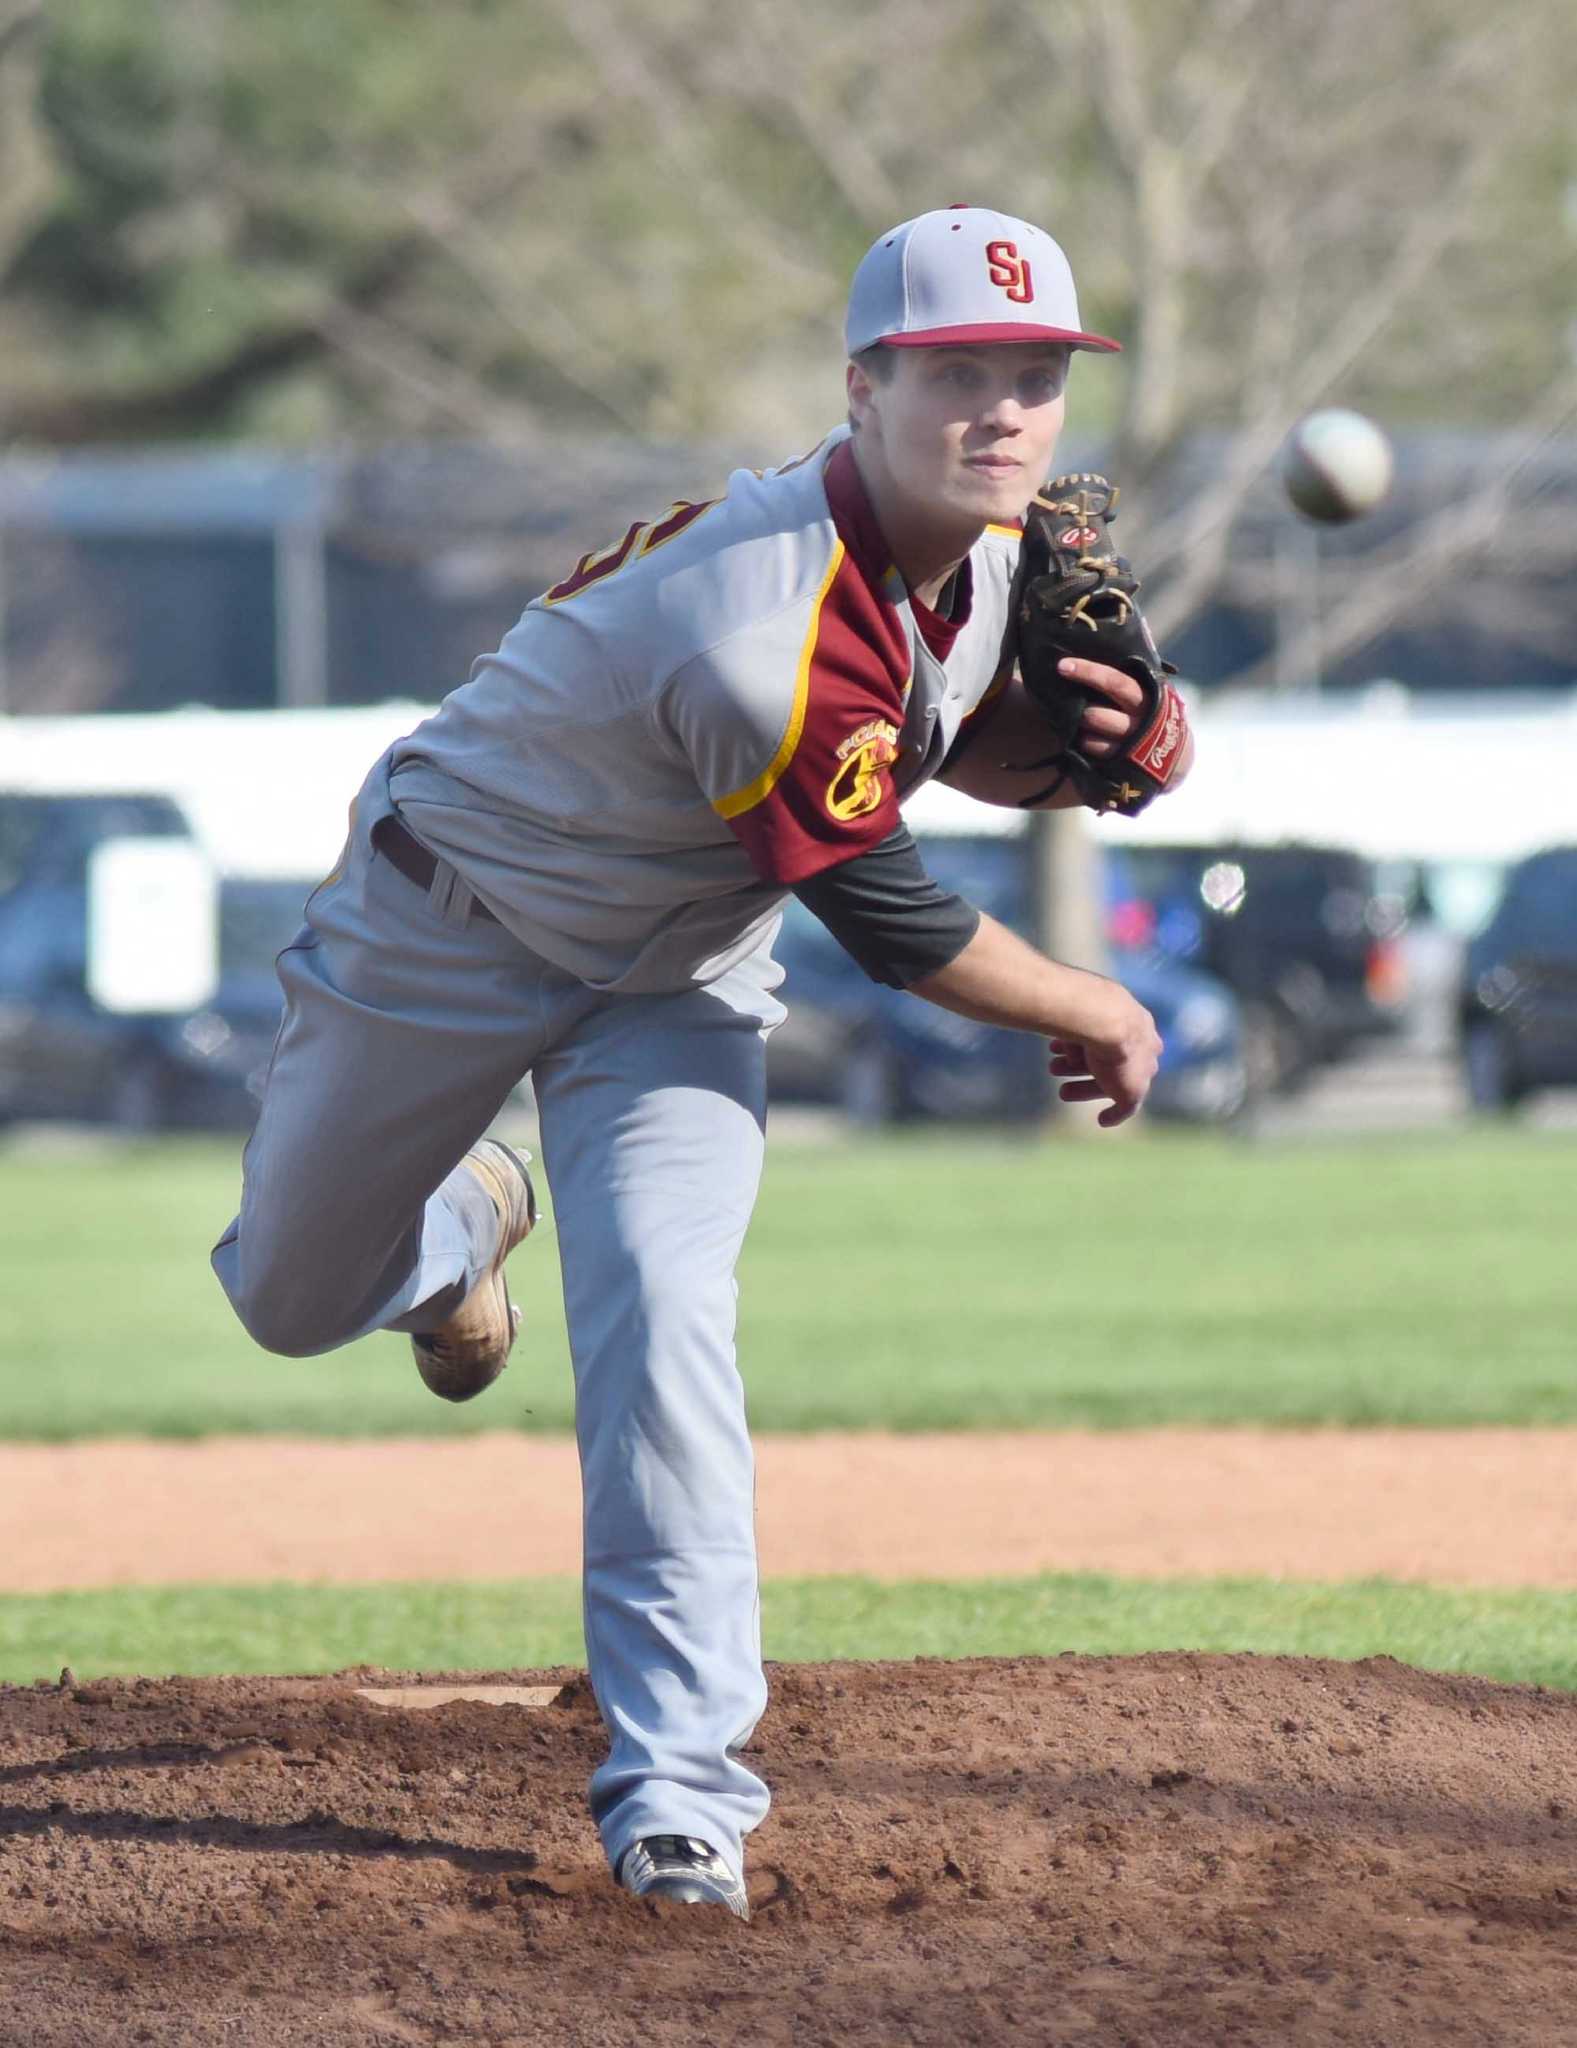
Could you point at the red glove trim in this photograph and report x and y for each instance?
(1159, 750)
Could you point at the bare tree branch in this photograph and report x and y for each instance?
(27, 164)
(1403, 575)
(1197, 536)
(837, 144)
(402, 363)
(640, 71)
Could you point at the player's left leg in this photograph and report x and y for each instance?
(370, 1199)
(653, 1113)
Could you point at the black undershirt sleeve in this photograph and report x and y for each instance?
(887, 913)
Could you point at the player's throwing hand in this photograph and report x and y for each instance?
(1115, 1069)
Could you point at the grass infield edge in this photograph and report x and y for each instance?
(1517, 1635)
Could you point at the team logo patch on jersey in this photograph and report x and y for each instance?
(856, 787)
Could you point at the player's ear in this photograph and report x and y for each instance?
(858, 384)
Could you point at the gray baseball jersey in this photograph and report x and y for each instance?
(733, 697)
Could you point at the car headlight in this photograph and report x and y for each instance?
(207, 1034)
(1203, 1018)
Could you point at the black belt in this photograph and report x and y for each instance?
(402, 849)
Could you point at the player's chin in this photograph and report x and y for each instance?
(996, 495)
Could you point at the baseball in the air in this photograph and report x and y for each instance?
(1336, 465)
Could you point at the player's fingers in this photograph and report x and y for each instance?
(1083, 1091)
(1102, 730)
(1106, 720)
(1111, 682)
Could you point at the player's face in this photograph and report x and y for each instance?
(964, 433)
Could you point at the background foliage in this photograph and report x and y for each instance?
(538, 225)
(375, 217)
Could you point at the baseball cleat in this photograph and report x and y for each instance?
(469, 1351)
(679, 1867)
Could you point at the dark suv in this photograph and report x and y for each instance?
(1305, 937)
(62, 1054)
(887, 1056)
(1518, 1008)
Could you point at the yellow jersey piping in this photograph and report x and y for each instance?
(753, 793)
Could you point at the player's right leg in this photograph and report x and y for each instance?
(407, 1023)
(653, 1112)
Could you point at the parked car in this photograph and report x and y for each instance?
(63, 1054)
(216, 1059)
(885, 1056)
(1518, 1006)
(1306, 937)
(47, 842)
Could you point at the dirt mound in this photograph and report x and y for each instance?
(1164, 1850)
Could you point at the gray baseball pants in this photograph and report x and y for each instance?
(408, 1021)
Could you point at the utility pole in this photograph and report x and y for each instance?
(301, 631)
(5, 671)
(1070, 922)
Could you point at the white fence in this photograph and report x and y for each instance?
(1395, 777)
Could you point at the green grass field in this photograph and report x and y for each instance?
(909, 1282)
(905, 1283)
(1528, 1637)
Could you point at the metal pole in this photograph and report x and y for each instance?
(300, 614)
(5, 621)
(1070, 919)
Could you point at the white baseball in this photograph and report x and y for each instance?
(1336, 465)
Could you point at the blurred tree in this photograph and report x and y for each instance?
(513, 222)
(1327, 201)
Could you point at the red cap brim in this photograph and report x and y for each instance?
(996, 330)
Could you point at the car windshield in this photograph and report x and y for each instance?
(1155, 871)
(990, 873)
(50, 838)
(1540, 906)
(1549, 883)
(19, 826)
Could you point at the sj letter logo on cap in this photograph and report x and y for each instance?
(1010, 270)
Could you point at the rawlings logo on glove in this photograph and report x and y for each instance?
(1074, 595)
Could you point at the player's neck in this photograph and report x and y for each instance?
(928, 590)
(925, 552)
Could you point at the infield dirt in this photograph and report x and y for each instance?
(1428, 1505)
(1171, 1850)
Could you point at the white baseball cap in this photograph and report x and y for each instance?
(964, 274)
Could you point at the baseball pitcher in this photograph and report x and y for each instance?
(575, 869)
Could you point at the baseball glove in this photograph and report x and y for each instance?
(1073, 594)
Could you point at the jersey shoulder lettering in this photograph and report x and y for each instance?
(640, 539)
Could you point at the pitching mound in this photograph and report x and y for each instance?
(1166, 1850)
